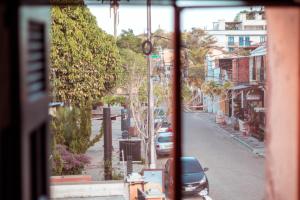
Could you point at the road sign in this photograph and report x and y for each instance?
(155, 56)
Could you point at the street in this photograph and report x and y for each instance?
(234, 172)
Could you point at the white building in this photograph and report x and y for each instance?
(248, 31)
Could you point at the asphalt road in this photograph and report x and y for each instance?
(234, 172)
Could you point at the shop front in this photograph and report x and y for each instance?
(254, 113)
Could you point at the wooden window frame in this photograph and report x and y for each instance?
(13, 8)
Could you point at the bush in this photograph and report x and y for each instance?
(67, 163)
(72, 128)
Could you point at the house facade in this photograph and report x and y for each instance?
(247, 31)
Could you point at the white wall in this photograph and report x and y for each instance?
(222, 36)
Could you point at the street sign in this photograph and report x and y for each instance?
(155, 56)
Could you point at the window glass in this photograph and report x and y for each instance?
(241, 41)
(230, 40)
(222, 108)
(190, 166)
(165, 139)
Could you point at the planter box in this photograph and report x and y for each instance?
(71, 179)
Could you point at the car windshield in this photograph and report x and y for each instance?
(164, 139)
(191, 166)
(165, 125)
(159, 112)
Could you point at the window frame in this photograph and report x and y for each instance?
(16, 5)
(230, 40)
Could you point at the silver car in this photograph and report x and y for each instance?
(164, 143)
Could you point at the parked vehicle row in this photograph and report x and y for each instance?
(194, 179)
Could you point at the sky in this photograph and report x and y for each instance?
(162, 17)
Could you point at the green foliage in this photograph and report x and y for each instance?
(85, 63)
(142, 93)
(196, 75)
(186, 93)
(160, 93)
(241, 52)
(114, 100)
(127, 40)
(117, 175)
(198, 43)
(212, 88)
(162, 39)
(135, 66)
(72, 128)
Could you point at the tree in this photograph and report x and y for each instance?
(214, 89)
(127, 40)
(198, 44)
(162, 39)
(196, 76)
(84, 67)
(85, 63)
(134, 82)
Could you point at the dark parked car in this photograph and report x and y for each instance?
(194, 180)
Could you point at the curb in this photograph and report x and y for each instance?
(257, 151)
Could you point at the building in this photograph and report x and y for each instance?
(247, 31)
(214, 72)
(256, 97)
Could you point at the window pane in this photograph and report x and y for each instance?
(222, 105)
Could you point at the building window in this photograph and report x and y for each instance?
(230, 40)
(251, 27)
(215, 26)
(241, 41)
(230, 49)
(262, 39)
(247, 41)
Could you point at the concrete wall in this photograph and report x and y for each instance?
(97, 189)
(222, 36)
(211, 106)
(283, 112)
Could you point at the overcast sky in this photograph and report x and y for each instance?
(135, 18)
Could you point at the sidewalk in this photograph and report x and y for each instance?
(256, 146)
(96, 152)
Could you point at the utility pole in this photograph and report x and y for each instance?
(114, 5)
(107, 144)
(150, 93)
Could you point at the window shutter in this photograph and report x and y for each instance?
(33, 50)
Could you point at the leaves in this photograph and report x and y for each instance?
(85, 62)
(72, 128)
(212, 88)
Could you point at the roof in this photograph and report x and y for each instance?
(259, 51)
(188, 158)
(240, 87)
(165, 134)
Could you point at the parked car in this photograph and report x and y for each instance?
(164, 143)
(159, 115)
(165, 126)
(194, 179)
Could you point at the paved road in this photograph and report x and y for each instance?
(234, 172)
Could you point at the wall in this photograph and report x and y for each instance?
(282, 140)
(240, 70)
